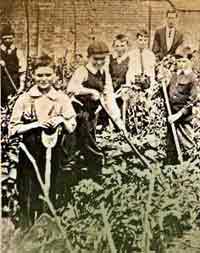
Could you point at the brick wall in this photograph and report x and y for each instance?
(94, 18)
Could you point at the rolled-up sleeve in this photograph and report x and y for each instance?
(151, 63)
(67, 109)
(194, 96)
(75, 83)
(130, 75)
(68, 113)
(109, 97)
(16, 117)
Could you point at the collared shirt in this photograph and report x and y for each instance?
(135, 65)
(170, 33)
(20, 56)
(120, 59)
(81, 75)
(186, 71)
(45, 106)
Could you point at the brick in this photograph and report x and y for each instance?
(106, 19)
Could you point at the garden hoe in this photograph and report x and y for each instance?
(126, 138)
(177, 144)
(10, 78)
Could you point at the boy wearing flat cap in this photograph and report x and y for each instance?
(89, 83)
(182, 91)
(13, 65)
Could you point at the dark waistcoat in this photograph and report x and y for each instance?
(12, 65)
(96, 82)
(118, 71)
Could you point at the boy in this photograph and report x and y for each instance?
(12, 63)
(141, 70)
(118, 66)
(89, 84)
(182, 91)
(41, 109)
(141, 78)
(119, 60)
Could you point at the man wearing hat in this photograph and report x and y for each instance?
(167, 39)
(182, 91)
(89, 84)
(13, 65)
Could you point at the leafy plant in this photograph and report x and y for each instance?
(131, 208)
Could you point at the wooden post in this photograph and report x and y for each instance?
(75, 27)
(38, 28)
(26, 5)
(149, 22)
(0, 71)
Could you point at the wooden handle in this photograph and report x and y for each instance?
(174, 132)
(10, 78)
(126, 138)
(47, 182)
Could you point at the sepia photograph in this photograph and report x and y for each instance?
(100, 126)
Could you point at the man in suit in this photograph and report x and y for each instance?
(167, 39)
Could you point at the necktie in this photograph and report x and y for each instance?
(98, 74)
(170, 33)
(141, 62)
(7, 50)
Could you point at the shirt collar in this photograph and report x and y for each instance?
(92, 69)
(120, 58)
(144, 50)
(186, 71)
(170, 29)
(34, 92)
(4, 48)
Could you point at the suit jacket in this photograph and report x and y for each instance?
(160, 44)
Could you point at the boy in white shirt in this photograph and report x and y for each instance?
(141, 71)
(40, 110)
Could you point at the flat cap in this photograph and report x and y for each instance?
(7, 30)
(178, 56)
(97, 47)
